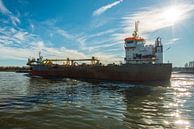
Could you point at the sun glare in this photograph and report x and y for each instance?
(172, 14)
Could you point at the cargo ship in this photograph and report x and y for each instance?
(142, 63)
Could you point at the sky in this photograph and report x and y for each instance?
(86, 28)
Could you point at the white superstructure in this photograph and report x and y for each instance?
(138, 53)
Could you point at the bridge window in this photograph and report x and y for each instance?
(130, 41)
(140, 42)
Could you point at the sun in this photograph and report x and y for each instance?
(172, 14)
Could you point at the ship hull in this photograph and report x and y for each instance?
(126, 73)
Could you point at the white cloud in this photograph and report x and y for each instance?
(62, 52)
(108, 58)
(87, 42)
(10, 36)
(63, 33)
(24, 51)
(75, 38)
(21, 35)
(48, 52)
(81, 39)
(20, 45)
(172, 41)
(3, 9)
(32, 26)
(152, 19)
(106, 7)
(102, 33)
(104, 45)
(7, 52)
(15, 20)
(15, 53)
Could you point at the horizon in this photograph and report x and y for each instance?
(96, 28)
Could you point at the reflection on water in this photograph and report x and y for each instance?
(182, 94)
(41, 103)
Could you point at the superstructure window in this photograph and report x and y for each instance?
(130, 41)
(139, 42)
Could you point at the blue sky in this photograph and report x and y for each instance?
(85, 28)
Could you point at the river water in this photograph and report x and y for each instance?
(36, 103)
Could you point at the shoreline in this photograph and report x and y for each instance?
(14, 68)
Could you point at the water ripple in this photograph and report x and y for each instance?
(74, 104)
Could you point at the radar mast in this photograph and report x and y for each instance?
(135, 33)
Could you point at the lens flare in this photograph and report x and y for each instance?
(172, 14)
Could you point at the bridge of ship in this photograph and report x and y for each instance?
(132, 41)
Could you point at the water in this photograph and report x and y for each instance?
(35, 103)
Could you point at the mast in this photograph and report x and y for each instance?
(135, 33)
